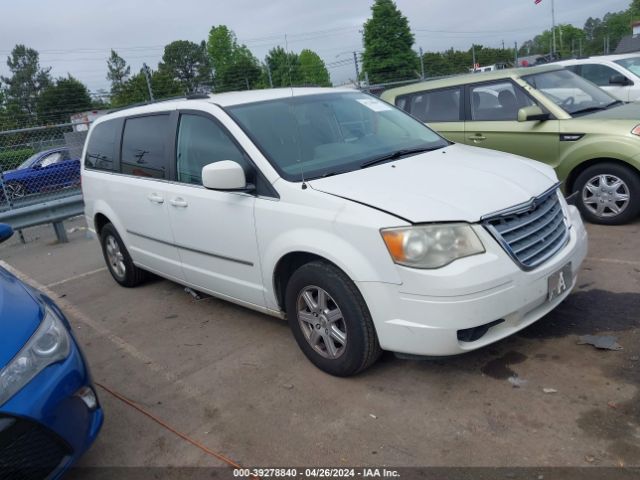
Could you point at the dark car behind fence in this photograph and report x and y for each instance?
(40, 175)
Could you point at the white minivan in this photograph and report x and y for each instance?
(337, 211)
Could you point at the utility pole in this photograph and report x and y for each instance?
(421, 64)
(145, 69)
(473, 54)
(516, 50)
(269, 74)
(502, 44)
(580, 47)
(355, 62)
(553, 26)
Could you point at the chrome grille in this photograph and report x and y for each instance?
(533, 233)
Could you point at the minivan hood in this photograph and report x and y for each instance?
(20, 316)
(456, 183)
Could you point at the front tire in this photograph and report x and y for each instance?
(15, 190)
(330, 320)
(608, 193)
(118, 260)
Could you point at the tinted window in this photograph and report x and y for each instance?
(102, 146)
(497, 101)
(632, 64)
(144, 146)
(434, 106)
(598, 74)
(202, 141)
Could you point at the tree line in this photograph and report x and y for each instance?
(30, 96)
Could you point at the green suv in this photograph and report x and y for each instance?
(546, 113)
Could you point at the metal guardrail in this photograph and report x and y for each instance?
(52, 211)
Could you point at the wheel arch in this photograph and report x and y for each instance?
(581, 167)
(287, 265)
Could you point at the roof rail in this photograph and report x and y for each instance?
(188, 96)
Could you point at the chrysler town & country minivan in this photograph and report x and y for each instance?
(337, 211)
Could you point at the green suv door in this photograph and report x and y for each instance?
(491, 113)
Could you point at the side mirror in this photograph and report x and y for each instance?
(225, 175)
(619, 79)
(5, 232)
(532, 112)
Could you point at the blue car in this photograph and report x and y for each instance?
(45, 171)
(49, 410)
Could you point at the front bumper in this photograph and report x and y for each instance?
(46, 425)
(423, 315)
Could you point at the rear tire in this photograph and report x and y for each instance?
(118, 260)
(330, 320)
(608, 193)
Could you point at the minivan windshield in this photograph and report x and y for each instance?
(311, 136)
(572, 93)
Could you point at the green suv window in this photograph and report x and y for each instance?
(497, 101)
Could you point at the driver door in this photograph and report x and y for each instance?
(492, 122)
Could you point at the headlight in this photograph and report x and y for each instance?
(49, 344)
(431, 246)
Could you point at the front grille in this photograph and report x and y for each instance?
(28, 451)
(533, 233)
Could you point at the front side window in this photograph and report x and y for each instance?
(572, 93)
(51, 159)
(202, 141)
(144, 146)
(433, 106)
(632, 64)
(310, 136)
(101, 148)
(598, 74)
(497, 101)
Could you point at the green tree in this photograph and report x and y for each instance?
(135, 89)
(234, 66)
(117, 71)
(313, 69)
(284, 67)
(387, 45)
(61, 99)
(187, 63)
(26, 83)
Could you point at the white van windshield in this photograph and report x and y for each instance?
(312, 136)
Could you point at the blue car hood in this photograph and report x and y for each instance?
(20, 316)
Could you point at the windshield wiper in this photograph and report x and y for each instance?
(397, 154)
(598, 109)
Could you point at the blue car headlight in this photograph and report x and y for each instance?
(49, 344)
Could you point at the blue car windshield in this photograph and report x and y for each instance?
(311, 136)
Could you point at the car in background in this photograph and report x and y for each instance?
(49, 410)
(46, 171)
(619, 75)
(546, 113)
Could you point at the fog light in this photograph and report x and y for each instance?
(88, 396)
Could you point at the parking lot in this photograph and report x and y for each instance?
(235, 381)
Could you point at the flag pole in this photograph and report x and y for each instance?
(553, 27)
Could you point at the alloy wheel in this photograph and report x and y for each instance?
(321, 321)
(115, 257)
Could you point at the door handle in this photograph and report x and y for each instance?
(155, 198)
(179, 202)
(478, 137)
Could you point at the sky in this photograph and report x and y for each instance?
(75, 36)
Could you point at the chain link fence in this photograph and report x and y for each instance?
(39, 164)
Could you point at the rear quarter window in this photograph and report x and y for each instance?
(101, 148)
(433, 105)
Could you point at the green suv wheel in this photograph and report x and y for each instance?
(608, 193)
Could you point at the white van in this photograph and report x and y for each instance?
(356, 222)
